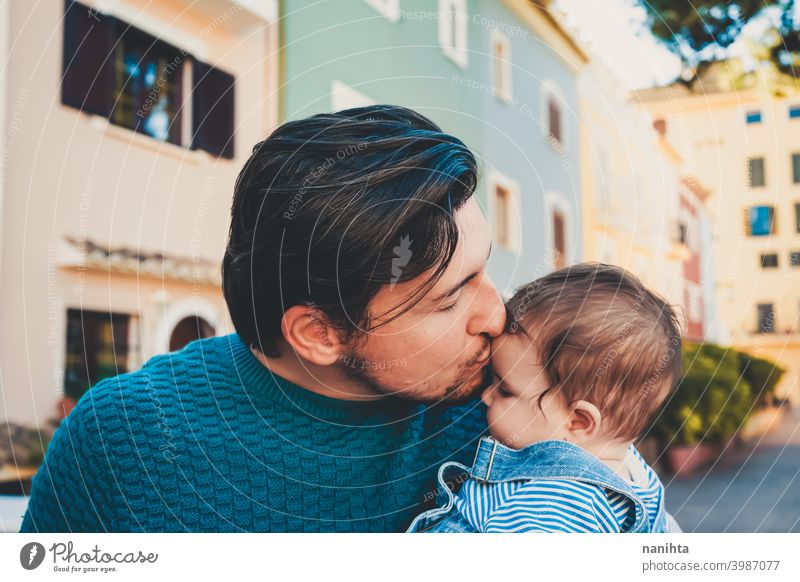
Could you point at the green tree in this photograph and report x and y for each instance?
(699, 32)
(786, 50)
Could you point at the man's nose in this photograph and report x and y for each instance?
(491, 318)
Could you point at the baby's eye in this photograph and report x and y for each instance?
(503, 391)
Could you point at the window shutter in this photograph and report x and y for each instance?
(88, 61)
(212, 110)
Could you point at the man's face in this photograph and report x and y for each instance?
(441, 346)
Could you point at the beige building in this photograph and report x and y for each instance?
(740, 134)
(131, 121)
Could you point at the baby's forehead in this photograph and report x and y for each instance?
(517, 345)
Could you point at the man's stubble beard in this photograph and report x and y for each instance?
(358, 369)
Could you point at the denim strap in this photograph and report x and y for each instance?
(550, 460)
(444, 496)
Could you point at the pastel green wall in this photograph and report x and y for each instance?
(403, 63)
(390, 62)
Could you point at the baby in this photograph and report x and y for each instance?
(588, 356)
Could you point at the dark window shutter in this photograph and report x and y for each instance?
(88, 65)
(212, 110)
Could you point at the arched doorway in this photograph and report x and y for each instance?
(187, 330)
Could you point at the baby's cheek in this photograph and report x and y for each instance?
(516, 420)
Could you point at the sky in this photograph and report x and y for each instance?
(614, 31)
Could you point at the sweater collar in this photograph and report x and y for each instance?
(265, 386)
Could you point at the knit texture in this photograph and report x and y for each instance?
(207, 439)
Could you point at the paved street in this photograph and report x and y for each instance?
(757, 489)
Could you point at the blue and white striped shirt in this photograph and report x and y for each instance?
(562, 505)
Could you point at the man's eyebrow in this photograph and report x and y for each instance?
(452, 291)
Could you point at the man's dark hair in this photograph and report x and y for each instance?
(330, 208)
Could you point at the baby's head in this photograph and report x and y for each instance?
(589, 354)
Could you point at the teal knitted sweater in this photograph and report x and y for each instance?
(208, 440)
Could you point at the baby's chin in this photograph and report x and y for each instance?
(512, 441)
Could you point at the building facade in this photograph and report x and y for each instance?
(640, 211)
(499, 75)
(132, 120)
(742, 137)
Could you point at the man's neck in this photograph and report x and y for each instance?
(328, 381)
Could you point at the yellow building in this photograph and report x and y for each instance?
(740, 134)
(639, 211)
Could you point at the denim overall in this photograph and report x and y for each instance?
(496, 463)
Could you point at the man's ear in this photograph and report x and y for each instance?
(311, 336)
(584, 421)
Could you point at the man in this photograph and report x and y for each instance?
(355, 276)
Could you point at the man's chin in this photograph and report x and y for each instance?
(469, 388)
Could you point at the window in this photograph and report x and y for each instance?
(560, 229)
(148, 79)
(794, 112)
(766, 317)
(753, 117)
(769, 261)
(559, 240)
(796, 168)
(794, 258)
(390, 9)
(553, 124)
(760, 220)
(501, 65)
(683, 233)
(99, 345)
(554, 119)
(755, 172)
(453, 30)
(504, 211)
(137, 81)
(502, 221)
(797, 216)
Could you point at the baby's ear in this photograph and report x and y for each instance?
(584, 420)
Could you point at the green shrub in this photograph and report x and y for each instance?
(711, 401)
(763, 375)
